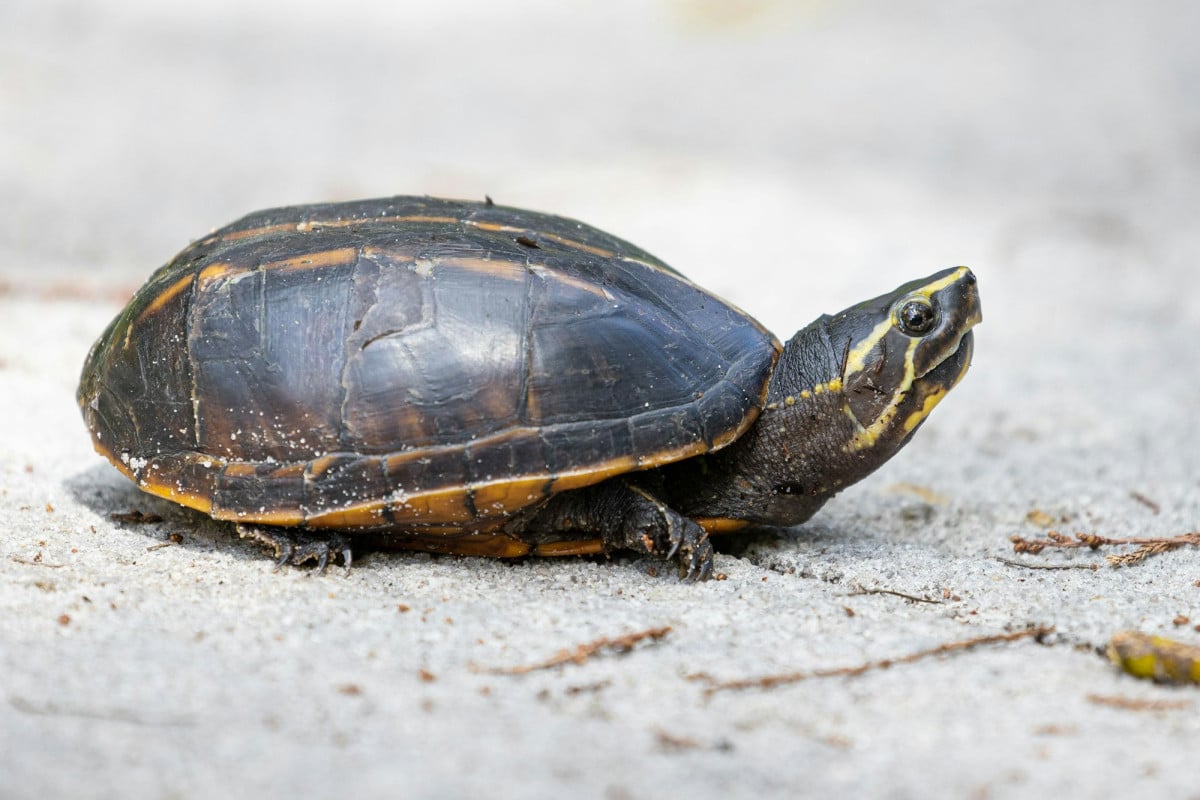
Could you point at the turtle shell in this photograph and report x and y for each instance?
(413, 363)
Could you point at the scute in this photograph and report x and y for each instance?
(413, 362)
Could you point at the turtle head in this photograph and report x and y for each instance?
(900, 354)
(847, 393)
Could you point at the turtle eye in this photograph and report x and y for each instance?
(916, 317)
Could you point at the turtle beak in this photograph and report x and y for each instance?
(950, 370)
(956, 295)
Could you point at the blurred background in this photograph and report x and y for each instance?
(742, 141)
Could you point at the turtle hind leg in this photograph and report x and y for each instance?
(627, 517)
(297, 549)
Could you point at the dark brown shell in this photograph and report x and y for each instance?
(413, 363)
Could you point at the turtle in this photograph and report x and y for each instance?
(464, 377)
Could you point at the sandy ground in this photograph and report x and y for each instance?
(793, 156)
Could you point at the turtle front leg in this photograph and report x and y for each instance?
(627, 517)
(297, 548)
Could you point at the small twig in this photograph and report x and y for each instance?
(1093, 541)
(1010, 562)
(619, 644)
(1152, 549)
(1136, 704)
(598, 686)
(52, 709)
(1147, 546)
(770, 681)
(914, 598)
(672, 743)
(173, 539)
(36, 561)
(1146, 501)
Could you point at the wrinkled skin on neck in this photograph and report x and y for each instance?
(847, 394)
(786, 466)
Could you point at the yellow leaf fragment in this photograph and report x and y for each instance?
(1155, 658)
(1040, 518)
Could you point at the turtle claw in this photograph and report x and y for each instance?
(283, 554)
(686, 544)
(674, 536)
(297, 549)
(322, 551)
(696, 556)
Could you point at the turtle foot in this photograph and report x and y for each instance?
(296, 549)
(625, 516)
(688, 548)
(695, 557)
(673, 537)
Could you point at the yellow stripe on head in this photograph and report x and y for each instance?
(910, 354)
